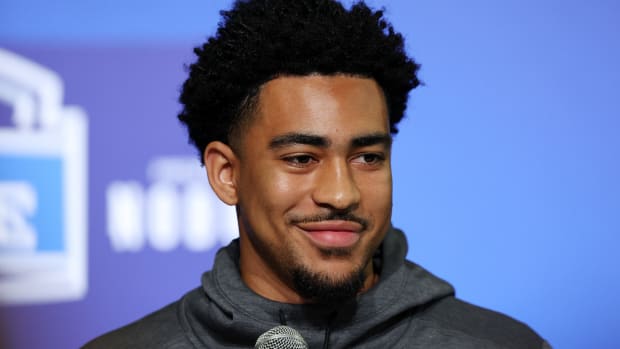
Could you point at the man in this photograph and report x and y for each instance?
(292, 105)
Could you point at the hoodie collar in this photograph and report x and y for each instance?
(225, 286)
(232, 306)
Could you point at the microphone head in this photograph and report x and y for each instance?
(281, 337)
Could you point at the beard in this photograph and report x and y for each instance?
(321, 289)
(315, 286)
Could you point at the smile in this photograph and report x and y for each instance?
(332, 234)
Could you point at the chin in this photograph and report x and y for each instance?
(328, 287)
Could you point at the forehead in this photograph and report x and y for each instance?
(321, 104)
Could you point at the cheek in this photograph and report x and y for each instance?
(275, 190)
(377, 195)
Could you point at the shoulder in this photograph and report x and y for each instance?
(463, 319)
(444, 318)
(160, 329)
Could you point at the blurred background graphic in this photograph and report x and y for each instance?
(506, 167)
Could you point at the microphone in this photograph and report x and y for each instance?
(281, 337)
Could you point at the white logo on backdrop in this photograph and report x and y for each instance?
(177, 208)
(42, 187)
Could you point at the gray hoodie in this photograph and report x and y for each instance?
(407, 308)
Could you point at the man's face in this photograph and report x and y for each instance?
(314, 187)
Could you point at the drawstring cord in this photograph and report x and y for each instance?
(328, 330)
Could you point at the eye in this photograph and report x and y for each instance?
(369, 159)
(300, 160)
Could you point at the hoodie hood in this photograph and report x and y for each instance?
(236, 316)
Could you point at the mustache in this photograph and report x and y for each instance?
(330, 216)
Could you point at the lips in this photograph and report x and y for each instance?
(332, 234)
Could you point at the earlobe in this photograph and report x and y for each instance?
(221, 162)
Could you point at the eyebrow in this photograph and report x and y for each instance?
(298, 138)
(372, 139)
(322, 142)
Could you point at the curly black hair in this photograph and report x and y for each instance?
(259, 40)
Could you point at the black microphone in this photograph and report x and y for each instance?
(281, 337)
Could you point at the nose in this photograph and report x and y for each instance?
(336, 187)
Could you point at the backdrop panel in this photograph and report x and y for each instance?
(506, 168)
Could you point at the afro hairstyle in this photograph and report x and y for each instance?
(260, 40)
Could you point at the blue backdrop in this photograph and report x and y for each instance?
(506, 168)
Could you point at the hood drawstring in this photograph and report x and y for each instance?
(282, 317)
(328, 330)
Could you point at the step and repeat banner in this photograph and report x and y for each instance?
(506, 169)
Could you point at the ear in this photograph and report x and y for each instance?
(222, 165)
